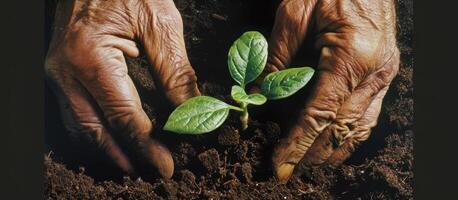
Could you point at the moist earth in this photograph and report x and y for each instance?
(234, 164)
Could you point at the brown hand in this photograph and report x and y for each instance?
(87, 70)
(359, 58)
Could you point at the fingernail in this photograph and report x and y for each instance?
(284, 172)
(162, 159)
(166, 168)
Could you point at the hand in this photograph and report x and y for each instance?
(358, 60)
(87, 70)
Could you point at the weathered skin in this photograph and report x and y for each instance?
(359, 58)
(86, 67)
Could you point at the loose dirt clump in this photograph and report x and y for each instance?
(234, 164)
(210, 160)
(228, 136)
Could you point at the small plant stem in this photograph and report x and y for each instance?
(244, 116)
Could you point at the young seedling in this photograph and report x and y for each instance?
(246, 60)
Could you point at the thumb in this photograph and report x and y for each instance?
(164, 45)
(319, 111)
(291, 23)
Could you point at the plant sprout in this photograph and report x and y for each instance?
(246, 60)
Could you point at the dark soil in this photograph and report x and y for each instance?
(235, 164)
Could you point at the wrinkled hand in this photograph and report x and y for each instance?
(358, 60)
(87, 70)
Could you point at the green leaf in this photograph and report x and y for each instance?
(197, 115)
(284, 83)
(247, 57)
(240, 95)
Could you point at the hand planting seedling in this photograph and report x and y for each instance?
(246, 59)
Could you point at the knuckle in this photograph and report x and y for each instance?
(90, 130)
(364, 48)
(343, 131)
(291, 151)
(394, 61)
(76, 48)
(111, 65)
(341, 68)
(332, 91)
(94, 61)
(54, 76)
(359, 133)
(181, 85)
(304, 142)
(124, 116)
(380, 80)
(93, 128)
(82, 48)
(316, 119)
(51, 70)
(120, 114)
(183, 76)
(339, 132)
(277, 59)
(288, 10)
(153, 16)
(70, 52)
(167, 17)
(345, 68)
(118, 71)
(384, 75)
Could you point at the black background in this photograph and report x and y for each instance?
(435, 78)
(21, 116)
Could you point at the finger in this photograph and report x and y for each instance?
(104, 73)
(80, 118)
(340, 97)
(292, 20)
(352, 111)
(320, 110)
(164, 45)
(340, 135)
(361, 132)
(346, 123)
